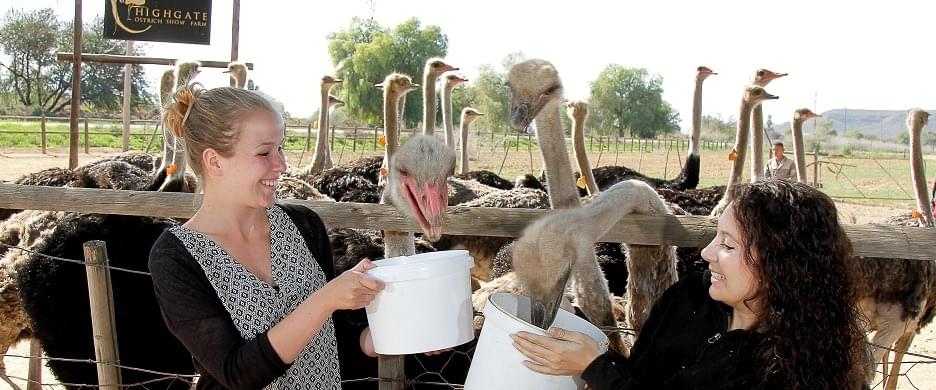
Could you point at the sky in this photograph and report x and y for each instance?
(839, 54)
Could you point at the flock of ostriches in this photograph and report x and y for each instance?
(611, 284)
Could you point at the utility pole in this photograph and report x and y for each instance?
(75, 91)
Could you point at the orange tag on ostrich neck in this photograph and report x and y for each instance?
(382, 141)
(733, 155)
(580, 183)
(384, 172)
(917, 214)
(171, 169)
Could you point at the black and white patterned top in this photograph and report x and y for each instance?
(256, 306)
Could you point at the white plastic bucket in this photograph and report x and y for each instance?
(498, 365)
(426, 304)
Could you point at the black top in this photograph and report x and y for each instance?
(194, 313)
(683, 345)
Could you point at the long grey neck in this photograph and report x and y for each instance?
(918, 173)
(399, 244)
(447, 115)
(737, 168)
(581, 156)
(321, 142)
(464, 145)
(429, 107)
(391, 125)
(757, 145)
(696, 118)
(599, 216)
(562, 192)
(799, 151)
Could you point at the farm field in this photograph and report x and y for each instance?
(873, 191)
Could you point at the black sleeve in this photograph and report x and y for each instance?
(195, 315)
(348, 323)
(611, 371)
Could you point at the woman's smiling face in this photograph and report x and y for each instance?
(252, 172)
(733, 277)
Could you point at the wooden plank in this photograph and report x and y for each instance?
(122, 59)
(886, 241)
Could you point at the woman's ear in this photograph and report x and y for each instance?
(211, 161)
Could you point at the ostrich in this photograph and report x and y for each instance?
(174, 158)
(799, 152)
(322, 159)
(468, 115)
(431, 72)
(688, 178)
(238, 73)
(536, 91)
(166, 86)
(753, 96)
(452, 80)
(761, 78)
(578, 111)
(898, 297)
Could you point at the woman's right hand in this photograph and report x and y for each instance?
(353, 289)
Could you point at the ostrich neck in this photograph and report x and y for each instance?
(757, 144)
(464, 145)
(395, 243)
(447, 116)
(696, 118)
(429, 114)
(608, 208)
(741, 141)
(321, 140)
(799, 151)
(581, 156)
(391, 126)
(562, 192)
(918, 173)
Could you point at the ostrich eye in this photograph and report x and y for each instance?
(761, 72)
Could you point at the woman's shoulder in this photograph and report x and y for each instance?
(168, 253)
(693, 285)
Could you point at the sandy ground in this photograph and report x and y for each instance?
(921, 375)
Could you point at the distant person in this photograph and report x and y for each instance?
(779, 167)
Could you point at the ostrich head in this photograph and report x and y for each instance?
(547, 249)
(334, 101)
(238, 74)
(917, 119)
(533, 84)
(804, 114)
(186, 72)
(704, 72)
(577, 109)
(755, 95)
(435, 67)
(329, 81)
(763, 77)
(454, 79)
(166, 84)
(417, 183)
(469, 114)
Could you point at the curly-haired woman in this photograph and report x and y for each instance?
(775, 310)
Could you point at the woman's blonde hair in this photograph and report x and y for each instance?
(208, 118)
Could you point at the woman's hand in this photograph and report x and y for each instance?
(353, 289)
(565, 353)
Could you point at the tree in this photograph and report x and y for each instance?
(631, 99)
(31, 40)
(820, 136)
(903, 138)
(365, 53)
(854, 134)
(716, 129)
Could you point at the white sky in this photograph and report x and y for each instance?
(855, 54)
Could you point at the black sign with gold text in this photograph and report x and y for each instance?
(182, 21)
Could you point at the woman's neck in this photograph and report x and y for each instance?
(742, 318)
(220, 216)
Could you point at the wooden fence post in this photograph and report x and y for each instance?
(42, 138)
(391, 372)
(104, 332)
(35, 366)
(354, 140)
(87, 149)
(308, 137)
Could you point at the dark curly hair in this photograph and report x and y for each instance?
(809, 314)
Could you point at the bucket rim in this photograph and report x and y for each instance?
(418, 267)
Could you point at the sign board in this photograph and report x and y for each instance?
(181, 21)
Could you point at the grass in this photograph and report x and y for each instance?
(864, 177)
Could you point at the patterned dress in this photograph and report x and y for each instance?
(256, 306)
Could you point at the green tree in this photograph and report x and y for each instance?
(31, 39)
(903, 137)
(820, 136)
(365, 53)
(854, 134)
(631, 99)
(716, 129)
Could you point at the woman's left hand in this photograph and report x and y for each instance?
(565, 353)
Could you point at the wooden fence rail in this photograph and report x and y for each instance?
(886, 241)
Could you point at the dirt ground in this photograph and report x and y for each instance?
(920, 372)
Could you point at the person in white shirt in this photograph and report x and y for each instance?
(779, 167)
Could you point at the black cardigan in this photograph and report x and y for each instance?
(195, 315)
(683, 345)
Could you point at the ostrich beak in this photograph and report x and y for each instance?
(519, 118)
(428, 202)
(543, 309)
(771, 97)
